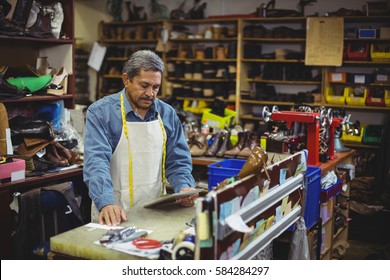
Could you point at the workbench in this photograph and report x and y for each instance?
(78, 243)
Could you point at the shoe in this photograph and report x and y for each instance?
(242, 136)
(214, 147)
(52, 155)
(8, 28)
(31, 146)
(8, 88)
(199, 145)
(251, 142)
(226, 145)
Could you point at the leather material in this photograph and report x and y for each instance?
(22, 128)
(30, 150)
(214, 147)
(22, 11)
(242, 136)
(226, 145)
(32, 226)
(199, 145)
(3, 126)
(52, 155)
(8, 27)
(251, 142)
(256, 161)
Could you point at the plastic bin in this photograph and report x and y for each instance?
(218, 121)
(332, 98)
(380, 52)
(354, 138)
(312, 195)
(331, 191)
(219, 171)
(373, 134)
(358, 52)
(360, 78)
(375, 101)
(350, 99)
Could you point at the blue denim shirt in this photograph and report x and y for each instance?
(102, 132)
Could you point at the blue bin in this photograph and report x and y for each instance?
(312, 195)
(219, 171)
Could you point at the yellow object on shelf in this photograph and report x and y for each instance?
(331, 98)
(387, 98)
(218, 121)
(350, 99)
(201, 106)
(354, 138)
(378, 53)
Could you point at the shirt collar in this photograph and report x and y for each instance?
(152, 113)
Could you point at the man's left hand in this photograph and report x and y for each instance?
(189, 200)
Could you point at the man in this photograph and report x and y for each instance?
(132, 141)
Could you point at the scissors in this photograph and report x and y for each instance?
(146, 243)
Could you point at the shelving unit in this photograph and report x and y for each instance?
(122, 39)
(17, 51)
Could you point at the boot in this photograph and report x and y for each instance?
(226, 145)
(213, 149)
(251, 142)
(9, 28)
(52, 155)
(6, 7)
(240, 144)
(22, 12)
(199, 145)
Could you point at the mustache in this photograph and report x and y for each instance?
(144, 97)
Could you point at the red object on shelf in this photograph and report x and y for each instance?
(358, 52)
(313, 130)
(374, 101)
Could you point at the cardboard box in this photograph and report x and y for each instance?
(15, 170)
(384, 32)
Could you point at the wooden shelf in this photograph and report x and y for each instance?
(257, 80)
(38, 98)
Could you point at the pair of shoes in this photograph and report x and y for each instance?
(247, 141)
(220, 144)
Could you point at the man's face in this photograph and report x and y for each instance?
(143, 89)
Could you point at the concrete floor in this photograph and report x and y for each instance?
(359, 250)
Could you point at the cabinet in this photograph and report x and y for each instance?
(122, 39)
(272, 69)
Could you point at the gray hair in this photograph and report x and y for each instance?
(143, 60)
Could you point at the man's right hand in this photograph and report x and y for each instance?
(112, 215)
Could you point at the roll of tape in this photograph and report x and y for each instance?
(183, 251)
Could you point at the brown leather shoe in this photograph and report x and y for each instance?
(52, 155)
(255, 163)
(242, 136)
(226, 145)
(214, 147)
(251, 142)
(199, 145)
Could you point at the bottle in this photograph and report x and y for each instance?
(205, 129)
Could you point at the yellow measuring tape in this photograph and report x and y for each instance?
(124, 124)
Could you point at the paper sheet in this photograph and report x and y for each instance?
(324, 41)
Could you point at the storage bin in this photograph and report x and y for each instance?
(330, 191)
(373, 100)
(354, 138)
(350, 99)
(358, 52)
(359, 78)
(219, 171)
(380, 52)
(218, 121)
(199, 109)
(387, 98)
(373, 134)
(312, 195)
(332, 98)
